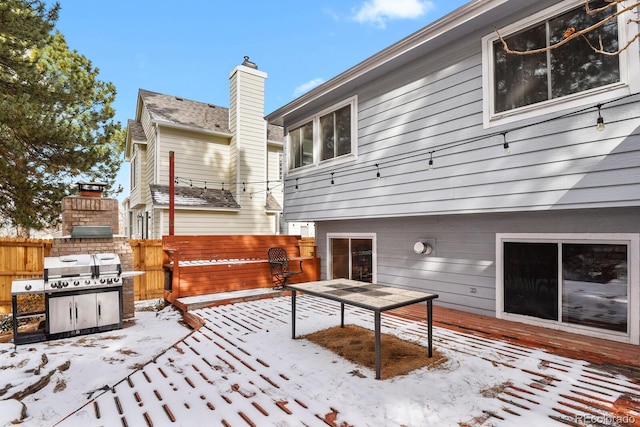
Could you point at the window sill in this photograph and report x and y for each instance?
(582, 99)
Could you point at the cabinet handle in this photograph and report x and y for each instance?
(70, 314)
(76, 311)
(99, 309)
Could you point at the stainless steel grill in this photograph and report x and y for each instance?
(82, 293)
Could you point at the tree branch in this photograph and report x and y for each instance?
(570, 35)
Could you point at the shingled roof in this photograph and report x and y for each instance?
(195, 114)
(137, 131)
(181, 111)
(194, 197)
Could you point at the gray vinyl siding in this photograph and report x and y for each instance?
(560, 164)
(464, 258)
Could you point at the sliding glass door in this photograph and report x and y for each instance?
(352, 257)
(574, 283)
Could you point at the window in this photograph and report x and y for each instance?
(134, 172)
(301, 143)
(335, 133)
(352, 256)
(327, 136)
(573, 282)
(523, 85)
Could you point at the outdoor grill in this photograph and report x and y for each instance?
(82, 294)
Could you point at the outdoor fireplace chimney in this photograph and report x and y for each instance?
(91, 189)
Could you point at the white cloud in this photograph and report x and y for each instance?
(306, 87)
(378, 12)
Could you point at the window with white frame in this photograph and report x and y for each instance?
(328, 135)
(570, 281)
(352, 256)
(521, 86)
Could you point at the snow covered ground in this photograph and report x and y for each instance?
(243, 365)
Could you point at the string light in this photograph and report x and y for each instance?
(332, 181)
(244, 188)
(507, 150)
(296, 183)
(600, 121)
(430, 160)
(378, 172)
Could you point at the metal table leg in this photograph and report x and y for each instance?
(430, 325)
(342, 315)
(293, 314)
(377, 342)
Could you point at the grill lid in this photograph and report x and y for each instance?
(82, 265)
(68, 266)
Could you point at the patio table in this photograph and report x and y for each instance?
(370, 296)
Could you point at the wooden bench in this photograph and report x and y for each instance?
(201, 265)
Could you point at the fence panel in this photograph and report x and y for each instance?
(20, 259)
(147, 257)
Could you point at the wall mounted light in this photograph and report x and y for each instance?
(507, 150)
(600, 121)
(425, 246)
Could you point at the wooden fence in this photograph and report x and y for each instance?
(147, 257)
(20, 259)
(24, 258)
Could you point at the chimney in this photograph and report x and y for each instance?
(248, 143)
(91, 189)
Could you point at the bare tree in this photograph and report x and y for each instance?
(612, 10)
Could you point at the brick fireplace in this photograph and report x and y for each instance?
(90, 225)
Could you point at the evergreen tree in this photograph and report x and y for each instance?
(56, 119)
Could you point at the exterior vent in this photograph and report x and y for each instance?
(92, 231)
(249, 64)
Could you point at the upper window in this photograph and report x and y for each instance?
(134, 172)
(524, 85)
(326, 136)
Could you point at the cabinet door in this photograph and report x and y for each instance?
(61, 314)
(108, 305)
(85, 311)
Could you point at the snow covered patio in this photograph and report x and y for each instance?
(242, 368)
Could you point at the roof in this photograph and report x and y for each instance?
(175, 110)
(181, 111)
(194, 197)
(272, 203)
(136, 130)
(473, 16)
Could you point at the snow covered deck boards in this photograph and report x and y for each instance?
(242, 368)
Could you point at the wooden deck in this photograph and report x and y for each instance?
(575, 346)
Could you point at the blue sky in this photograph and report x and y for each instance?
(188, 49)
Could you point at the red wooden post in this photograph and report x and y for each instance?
(172, 188)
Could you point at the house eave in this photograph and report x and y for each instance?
(191, 128)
